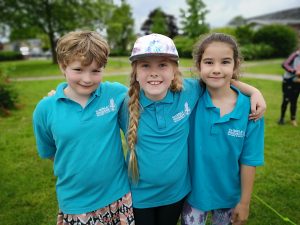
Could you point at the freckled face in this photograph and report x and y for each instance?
(155, 75)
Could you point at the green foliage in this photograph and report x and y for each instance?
(237, 21)
(120, 30)
(257, 51)
(244, 34)
(32, 18)
(10, 55)
(225, 30)
(184, 46)
(281, 38)
(160, 22)
(8, 96)
(193, 20)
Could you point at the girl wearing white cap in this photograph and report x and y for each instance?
(158, 109)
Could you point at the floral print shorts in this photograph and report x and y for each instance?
(193, 216)
(119, 212)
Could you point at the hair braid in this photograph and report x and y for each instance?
(134, 115)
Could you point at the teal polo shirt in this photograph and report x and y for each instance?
(161, 147)
(218, 146)
(86, 146)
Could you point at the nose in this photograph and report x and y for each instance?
(216, 69)
(86, 77)
(153, 73)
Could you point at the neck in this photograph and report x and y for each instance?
(224, 99)
(80, 99)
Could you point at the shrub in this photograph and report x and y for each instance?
(244, 35)
(184, 46)
(257, 51)
(283, 39)
(8, 96)
(10, 55)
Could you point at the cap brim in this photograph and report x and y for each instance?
(140, 56)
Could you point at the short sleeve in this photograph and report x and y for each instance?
(253, 149)
(43, 136)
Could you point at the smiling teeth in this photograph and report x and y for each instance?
(154, 82)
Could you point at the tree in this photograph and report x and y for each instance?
(160, 22)
(237, 21)
(193, 20)
(120, 29)
(53, 17)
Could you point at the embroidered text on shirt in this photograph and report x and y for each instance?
(107, 109)
(236, 133)
(179, 116)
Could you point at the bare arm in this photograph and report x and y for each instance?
(241, 211)
(258, 103)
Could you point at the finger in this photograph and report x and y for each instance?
(234, 217)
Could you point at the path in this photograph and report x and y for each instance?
(126, 73)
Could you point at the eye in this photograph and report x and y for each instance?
(208, 62)
(77, 69)
(226, 62)
(144, 65)
(97, 71)
(163, 64)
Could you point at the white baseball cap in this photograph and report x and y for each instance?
(154, 45)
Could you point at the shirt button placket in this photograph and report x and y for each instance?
(160, 117)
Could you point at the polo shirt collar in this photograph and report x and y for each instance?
(145, 101)
(61, 95)
(237, 112)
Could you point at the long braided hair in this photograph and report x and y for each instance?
(134, 114)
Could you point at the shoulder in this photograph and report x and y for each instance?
(113, 87)
(191, 85)
(44, 106)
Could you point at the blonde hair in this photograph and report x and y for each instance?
(207, 39)
(85, 46)
(134, 114)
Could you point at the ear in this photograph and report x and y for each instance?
(62, 68)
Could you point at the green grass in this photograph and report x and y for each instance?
(27, 188)
(41, 68)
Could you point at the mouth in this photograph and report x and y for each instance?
(154, 82)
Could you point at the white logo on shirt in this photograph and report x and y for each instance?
(107, 109)
(179, 116)
(236, 133)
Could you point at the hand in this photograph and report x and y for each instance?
(240, 214)
(258, 106)
(50, 93)
(297, 72)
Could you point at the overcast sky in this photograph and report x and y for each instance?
(220, 11)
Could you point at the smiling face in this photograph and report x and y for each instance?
(82, 80)
(155, 75)
(217, 65)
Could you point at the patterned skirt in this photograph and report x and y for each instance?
(119, 212)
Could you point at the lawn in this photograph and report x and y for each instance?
(27, 191)
(41, 68)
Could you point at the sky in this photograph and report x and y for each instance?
(220, 11)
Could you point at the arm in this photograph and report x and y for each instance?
(258, 103)
(241, 211)
(287, 64)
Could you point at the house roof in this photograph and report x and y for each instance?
(289, 16)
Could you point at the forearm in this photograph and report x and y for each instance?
(247, 182)
(245, 88)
